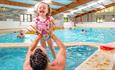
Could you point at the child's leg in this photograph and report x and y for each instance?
(50, 44)
(43, 43)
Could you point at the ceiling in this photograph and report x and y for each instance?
(68, 7)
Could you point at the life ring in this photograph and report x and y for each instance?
(106, 48)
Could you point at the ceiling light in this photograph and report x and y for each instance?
(102, 7)
(47, 1)
(100, 1)
(113, 19)
(65, 14)
(72, 12)
(89, 5)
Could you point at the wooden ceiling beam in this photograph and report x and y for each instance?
(83, 10)
(70, 6)
(7, 2)
(12, 3)
(98, 9)
(101, 4)
(56, 3)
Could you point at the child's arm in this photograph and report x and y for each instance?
(52, 25)
(36, 29)
(29, 29)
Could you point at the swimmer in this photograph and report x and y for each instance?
(83, 31)
(21, 34)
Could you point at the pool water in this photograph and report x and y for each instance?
(92, 35)
(13, 58)
(12, 38)
(68, 35)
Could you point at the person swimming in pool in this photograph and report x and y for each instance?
(36, 58)
(83, 31)
(21, 34)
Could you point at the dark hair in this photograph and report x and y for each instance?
(49, 9)
(82, 30)
(39, 60)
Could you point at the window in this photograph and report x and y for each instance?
(26, 18)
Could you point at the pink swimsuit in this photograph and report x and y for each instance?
(40, 25)
(43, 26)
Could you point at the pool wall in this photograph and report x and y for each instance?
(93, 44)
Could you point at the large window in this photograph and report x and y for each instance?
(26, 18)
(100, 20)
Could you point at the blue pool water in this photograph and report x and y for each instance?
(12, 38)
(69, 35)
(92, 35)
(13, 58)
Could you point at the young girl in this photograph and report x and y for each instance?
(44, 24)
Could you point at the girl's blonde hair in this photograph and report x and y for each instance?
(49, 9)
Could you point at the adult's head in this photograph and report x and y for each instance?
(39, 59)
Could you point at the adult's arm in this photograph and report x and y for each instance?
(29, 53)
(62, 49)
(58, 41)
(60, 60)
(30, 28)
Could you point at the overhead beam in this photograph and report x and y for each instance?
(12, 3)
(113, 1)
(83, 10)
(91, 7)
(101, 4)
(70, 6)
(56, 3)
(7, 2)
(98, 9)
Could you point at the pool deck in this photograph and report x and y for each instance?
(100, 60)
